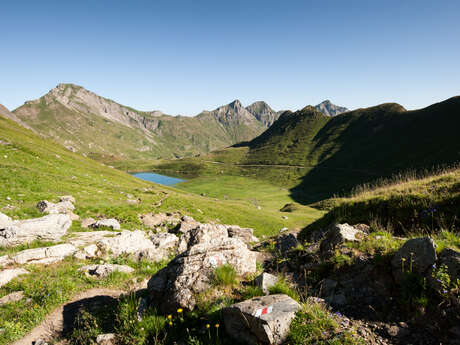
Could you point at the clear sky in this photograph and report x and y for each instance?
(185, 56)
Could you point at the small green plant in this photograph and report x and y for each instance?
(413, 287)
(448, 287)
(282, 286)
(86, 329)
(251, 291)
(225, 276)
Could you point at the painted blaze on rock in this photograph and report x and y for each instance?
(261, 320)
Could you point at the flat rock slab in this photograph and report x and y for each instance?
(85, 238)
(9, 274)
(45, 255)
(4, 221)
(128, 242)
(261, 320)
(102, 271)
(47, 228)
(12, 297)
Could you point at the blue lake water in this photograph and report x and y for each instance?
(157, 178)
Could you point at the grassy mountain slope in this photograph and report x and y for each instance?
(318, 156)
(106, 130)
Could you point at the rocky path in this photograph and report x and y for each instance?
(62, 317)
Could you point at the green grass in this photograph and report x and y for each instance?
(415, 206)
(225, 276)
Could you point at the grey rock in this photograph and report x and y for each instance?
(4, 221)
(244, 234)
(135, 243)
(68, 198)
(5, 260)
(40, 342)
(9, 274)
(265, 281)
(12, 297)
(421, 251)
(109, 223)
(44, 256)
(207, 247)
(261, 320)
(85, 238)
(88, 252)
(106, 339)
(339, 234)
(48, 228)
(104, 270)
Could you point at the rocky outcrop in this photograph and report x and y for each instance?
(45, 206)
(102, 271)
(107, 223)
(137, 244)
(207, 247)
(87, 222)
(153, 221)
(44, 256)
(47, 228)
(9, 274)
(327, 108)
(417, 255)
(261, 320)
(286, 242)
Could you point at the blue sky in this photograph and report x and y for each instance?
(185, 56)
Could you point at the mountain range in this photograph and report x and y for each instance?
(98, 127)
(318, 155)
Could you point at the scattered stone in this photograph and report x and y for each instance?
(40, 342)
(206, 248)
(133, 201)
(152, 221)
(109, 223)
(64, 207)
(9, 274)
(339, 234)
(12, 297)
(264, 320)
(265, 281)
(284, 217)
(421, 251)
(244, 234)
(47, 228)
(106, 339)
(68, 198)
(187, 224)
(284, 229)
(4, 221)
(44, 256)
(87, 222)
(104, 270)
(396, 331)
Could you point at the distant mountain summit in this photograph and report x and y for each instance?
(329, 109)
(263, 113)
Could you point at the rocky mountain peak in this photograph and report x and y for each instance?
(329, 109)
(236, 104)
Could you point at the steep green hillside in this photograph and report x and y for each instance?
(318, 156)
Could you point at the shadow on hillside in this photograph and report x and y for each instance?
(376, 143)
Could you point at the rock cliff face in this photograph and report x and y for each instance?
(327, 108)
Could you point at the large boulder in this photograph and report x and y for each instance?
(135, 243)
(418, 253)
(101, 271)
(7, 275)
(337, 235)
(47, 228)
(190, 273)
(107, 223)
(261, 320)
(4, 221)
(286, 242)
(45, 256)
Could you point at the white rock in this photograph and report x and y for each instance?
(265, 281)
(69, 198)
(47, 228)
(45, 206)
(45, 255)
(4, 221)
(7, 275)
(12, 297)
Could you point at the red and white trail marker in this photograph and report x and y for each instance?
(263, 311)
